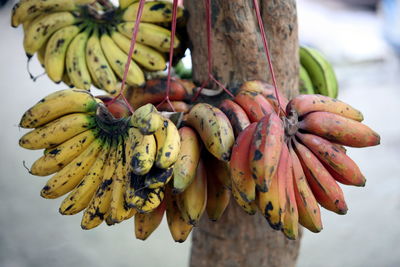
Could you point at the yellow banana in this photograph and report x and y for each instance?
(56, 50)
(26, 10)
(147, 119)
(70, 176)
(143, 151)
(80, 196)
(146, 223)
(145, 56)
(168, 144)
(95, 213)
(41, 29)
(57, 131)
(192, 201)
(56, 158)
(155, 12)
(117, 60)
(99, 68)
(56, 105)
(218, 196)
(158, 177)
(149, 34)
(188, 159)
(177, 225)
(248, 207)
(125, 3)
(75, 61)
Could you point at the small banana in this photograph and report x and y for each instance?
(305, 84)
(156, 12)
(146, 223)
(147, 119)
(158, 177)
(143, 150)
(168, 144)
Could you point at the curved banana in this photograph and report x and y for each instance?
(305, 84)
(168, 144)
(146, 223)
(158, 177)
(155, 12)
(218, 196)
(236, 115)
(147, 119)
(142, 152)
(249, 207)
(255, 105)
(123, 4)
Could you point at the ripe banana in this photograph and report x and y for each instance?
(240, 167)
(98, 66)
(236, 115)
(255, 105)
(249, 207)
(214, 129)
(143, 151)
(56, 105)
(57, 131)
(146, 223)
(304, 104)
(218, 196)
(149, 34)
(168, 144)
(188, 159)
(147, 119)
(339, 129)
(123, 4)
(220, 170)
(56, 158)
(56, 50)
(41, 29)
(145, 56)
(158, 177)
(117, 59)
(320, 71)
(156, 12)
(265, 149)
(324, 187)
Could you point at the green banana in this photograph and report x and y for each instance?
(305, 83)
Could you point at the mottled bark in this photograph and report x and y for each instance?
(238, 239)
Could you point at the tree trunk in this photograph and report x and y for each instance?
(238, 239)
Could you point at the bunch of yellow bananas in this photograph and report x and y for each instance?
(82, 42)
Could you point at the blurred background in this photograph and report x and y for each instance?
(360, 37)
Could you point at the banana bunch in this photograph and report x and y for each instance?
(317, 75)
(288, 166)
(112, 165)
(81, 42)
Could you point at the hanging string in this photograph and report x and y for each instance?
(128, 62)
(171, 55)
(266, 49)
(210, 76)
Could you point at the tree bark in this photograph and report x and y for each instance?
(238, 239)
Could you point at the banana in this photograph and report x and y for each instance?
(98, 66)
(320, 71)
(327, 153)
(146, 223)
(123, 4)
(272, 203)
(305, 84)
(75, 60)
(56, 50)
(254, 104)
(28, 9)
(192, 202)
(178, 227)
(95, 213)
(214, 129)
(117, 60)
(324, 187)
(56, 105)
(158, 177)
(57, 131)
(41, 29)
(149, 34)
(145, 56)
(304, 104)
(79, 198)
(155, 12)
(220, 170)
(249, 207)
(236, 115)
(168, 144)
(70, 176)
(147, 119)
(152, 198)
(240, 168)
(339, 129)
(218, 196)
(188, 159)
(309, 212)
(290, 217)
(265, 150)
(143, 151)
(178, 106)
(56, 158)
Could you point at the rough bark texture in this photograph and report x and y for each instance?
(239, 239)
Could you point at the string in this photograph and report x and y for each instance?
(266, 49)
(171, 55)
(128, 62)
(207, 4)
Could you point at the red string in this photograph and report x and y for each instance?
(209, 56)
(128, 62)
(171, 55)
(266, 49)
